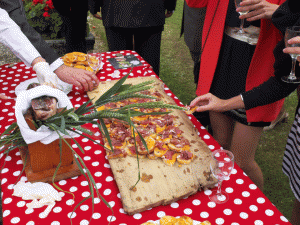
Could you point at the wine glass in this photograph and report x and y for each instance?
(241, 30)
(94, 63)
(221, 167)
(290, 33)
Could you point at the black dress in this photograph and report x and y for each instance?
(274, 89)
(232, 68)
(139, 20)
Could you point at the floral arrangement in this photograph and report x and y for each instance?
(43, 17)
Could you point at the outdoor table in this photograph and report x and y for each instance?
(247, 204)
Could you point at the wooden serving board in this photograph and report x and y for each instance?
(160, 184)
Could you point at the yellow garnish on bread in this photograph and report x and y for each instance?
(167, 220)
(191, 110)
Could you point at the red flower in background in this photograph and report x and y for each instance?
(37, 1)
(50, 4)
(46, 14)
(46, 9)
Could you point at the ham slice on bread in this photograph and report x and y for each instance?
(185, 157)
(169, 158)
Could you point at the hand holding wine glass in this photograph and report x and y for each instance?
(293, 50)
(221, 168)
(290, 33)
(258, 9)
(241, 30)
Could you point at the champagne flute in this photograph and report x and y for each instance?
(221, 167)
(241, 30)
(290, 33)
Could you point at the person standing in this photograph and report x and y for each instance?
(192, 25)
(135, 25)
(230, 65)
(74, 16)
(84, 80)
(12, 37)
(270, 91)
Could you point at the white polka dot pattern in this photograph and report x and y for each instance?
(6, 213)
(204, 215)
(196, 202)
(253, 208)
(258, 222)
(244, 215)
(174, 205)
(96, 216)
(188, 211)
(72, 215)
(245, 199)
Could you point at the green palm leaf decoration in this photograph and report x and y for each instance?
(73, 119)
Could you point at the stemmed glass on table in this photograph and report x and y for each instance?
(94, 63)
(221, 167)
(292, 32)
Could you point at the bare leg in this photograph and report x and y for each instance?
(222, 127)
(295, 220)
(281, 118)
(244, 143)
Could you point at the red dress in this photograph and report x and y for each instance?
(261, 67)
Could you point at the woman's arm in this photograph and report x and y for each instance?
(209, 102)
(270, 91)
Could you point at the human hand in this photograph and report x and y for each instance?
(293, 50)
(207, 102)
(83, 79)
(258, 9)
(169, 14)
(44, 74)
(97, 16)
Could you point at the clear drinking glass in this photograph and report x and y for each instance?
(241, 30)
(94, 64)
(290, 33)
(221, 167)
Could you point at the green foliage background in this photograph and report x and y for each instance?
(49, 25)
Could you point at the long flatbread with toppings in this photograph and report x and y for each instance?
(176, 165)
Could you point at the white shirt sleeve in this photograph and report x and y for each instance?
(57, 63)
(12, 37)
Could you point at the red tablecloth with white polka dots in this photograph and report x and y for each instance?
(247, 204)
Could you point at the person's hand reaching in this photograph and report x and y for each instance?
(209, 102)
(83, 79)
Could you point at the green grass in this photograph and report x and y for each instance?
(269, 156)
(176, 71)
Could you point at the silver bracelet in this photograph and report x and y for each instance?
(242, 97)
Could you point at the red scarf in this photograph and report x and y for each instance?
(261, 67)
